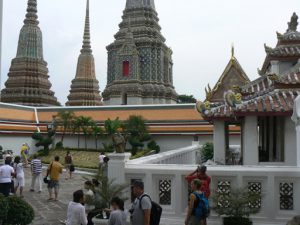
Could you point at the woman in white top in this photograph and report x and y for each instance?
(6, 173)
(20, 177)
(117, 214)
(76, 211)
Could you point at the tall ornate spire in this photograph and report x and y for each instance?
(31, 16)
(86, 47)
(140, 66)
(140, 4)
(28, 82)
(85, 87)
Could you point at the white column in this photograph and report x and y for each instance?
(250, 135)
(269, 199)
(219, 142)
(297, 157)
(1, 17)
(116, 167)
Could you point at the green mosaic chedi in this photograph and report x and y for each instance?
(140, 67)
(85, 87)
(28, 80)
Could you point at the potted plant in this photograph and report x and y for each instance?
(105, 192)
(236, 205)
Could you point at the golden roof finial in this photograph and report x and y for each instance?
(232, 51)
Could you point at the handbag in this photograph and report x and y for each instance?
(46, 180)
(72, 168)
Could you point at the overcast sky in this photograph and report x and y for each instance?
(199, 32)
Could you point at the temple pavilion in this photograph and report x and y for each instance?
(261, 108)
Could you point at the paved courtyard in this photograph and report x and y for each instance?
(50, 213)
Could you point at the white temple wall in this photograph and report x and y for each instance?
(166, 142)
(290, 142)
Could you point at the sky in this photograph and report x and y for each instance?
(199, 32)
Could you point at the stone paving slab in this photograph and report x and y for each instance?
(49, 213)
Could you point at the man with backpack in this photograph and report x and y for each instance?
(144, 211)
(198, 208)
(200, 173)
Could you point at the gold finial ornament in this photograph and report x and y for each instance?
(232, 51)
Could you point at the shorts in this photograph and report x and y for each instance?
(53, 184)
(20, 181)
(68, 166)
(5, 189)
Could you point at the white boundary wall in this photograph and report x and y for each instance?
(276, 184)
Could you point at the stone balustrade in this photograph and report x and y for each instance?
(279, 186)
(187, 155)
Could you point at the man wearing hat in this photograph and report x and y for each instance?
(141, 207)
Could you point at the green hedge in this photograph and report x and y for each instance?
(15, 211)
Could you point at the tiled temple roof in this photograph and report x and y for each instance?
(288, 45)
(271, 95)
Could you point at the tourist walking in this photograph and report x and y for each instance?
(200, 173)
(24, 152)
(76, 212)
(20, 176)
(105, 166)
(117, 214)
(6, 174)
(68, 165)
(198, 205)
(141, 207)
(88, 196)
(54, 171)
(101, 159)
(97, 204)
(36, 172)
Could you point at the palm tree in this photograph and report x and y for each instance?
(138, 133)
(77, 129)
(85, 123)
(65, 119)
(96, 131)
(112, 127)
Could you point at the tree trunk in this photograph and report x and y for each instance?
(63, 135)
(85, 141)
(96, 143)
(78, 144)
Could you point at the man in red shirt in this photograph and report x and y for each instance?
(200, 173)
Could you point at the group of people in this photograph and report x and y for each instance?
(81, 212)
(12, 176)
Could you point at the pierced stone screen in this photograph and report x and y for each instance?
(286, 191)
(165, 192)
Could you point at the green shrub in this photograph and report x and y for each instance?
(236, 221)
(3, 208)
(19, 212)
(154, 146)
(59, 145)
(207, 152)
(238, 203)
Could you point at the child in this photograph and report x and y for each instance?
(88, 196)
(20, 177)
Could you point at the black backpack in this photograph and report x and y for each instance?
(156, 211)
